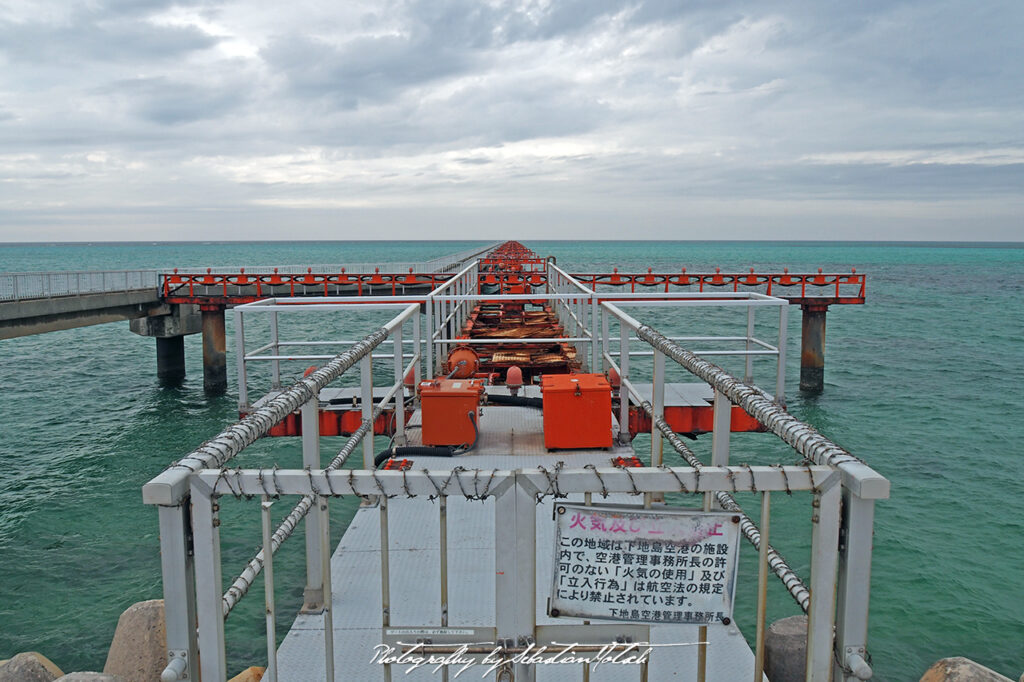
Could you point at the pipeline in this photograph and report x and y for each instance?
(796, 587)
(802, 437)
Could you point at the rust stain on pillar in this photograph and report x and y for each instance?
(215, 368)
(812, 348)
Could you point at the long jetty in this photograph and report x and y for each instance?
(169, 305)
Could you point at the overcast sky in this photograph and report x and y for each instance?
(159, 120)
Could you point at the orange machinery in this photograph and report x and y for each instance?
(450, 410)
(577, 411)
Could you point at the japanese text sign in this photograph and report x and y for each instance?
(653, 566)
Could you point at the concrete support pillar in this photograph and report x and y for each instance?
(170, 359)
(812, 348)
(215, 368)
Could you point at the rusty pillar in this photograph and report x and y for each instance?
(812, 348)
(215, 368)
(170, 359)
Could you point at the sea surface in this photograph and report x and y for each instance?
(925, 382)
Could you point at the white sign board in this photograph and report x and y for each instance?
(652, 566)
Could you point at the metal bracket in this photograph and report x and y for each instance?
(177, 666)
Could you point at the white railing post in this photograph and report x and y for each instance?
(748, 375)
(780, 372)
(275, 365)
(854, 587)
(313, 595)
(366, 400)
(396, 336)
(240, 363)
(658, 406)
(209, 600)
(624, 331)
(824, 557)
(176, 563)
(417, 345)
(515, 585)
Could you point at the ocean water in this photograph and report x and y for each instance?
(923, 382)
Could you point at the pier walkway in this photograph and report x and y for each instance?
(493, 548)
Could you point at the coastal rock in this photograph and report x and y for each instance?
(29, 666)
(785, 649)
(90, 677)
(253, 674)
(960, 669)
(139, 650)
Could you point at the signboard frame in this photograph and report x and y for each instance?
(591, 544)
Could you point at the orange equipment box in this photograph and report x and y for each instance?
(577, 411)
(450, 410)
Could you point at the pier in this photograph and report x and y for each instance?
(456, 548)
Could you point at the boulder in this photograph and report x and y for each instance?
(252, 674)
(785, 650)
(29, 666)
(90, 677)
(139, 650)
(960, 669)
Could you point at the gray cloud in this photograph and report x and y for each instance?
(167, 111)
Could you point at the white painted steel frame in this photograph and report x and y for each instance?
(515, 546)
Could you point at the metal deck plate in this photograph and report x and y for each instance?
(511, 438)
(681, 395)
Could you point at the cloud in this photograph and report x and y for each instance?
(655, 107)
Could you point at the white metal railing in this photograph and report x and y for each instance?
(187, 492)
(19, 286)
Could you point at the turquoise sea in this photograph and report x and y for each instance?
(924, 382)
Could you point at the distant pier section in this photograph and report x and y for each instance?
(171, 305)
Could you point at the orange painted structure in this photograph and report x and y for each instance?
(577, 411)
(509, 326)
(450, 410)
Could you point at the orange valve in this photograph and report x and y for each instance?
(463, 362)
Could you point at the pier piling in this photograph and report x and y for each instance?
(170, 358)
(215, 368)
(812, 348)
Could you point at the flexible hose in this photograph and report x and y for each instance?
(520, 401)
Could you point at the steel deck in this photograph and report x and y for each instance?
(510, 438)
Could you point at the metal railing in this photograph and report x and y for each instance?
(842, 487)
(20, 286)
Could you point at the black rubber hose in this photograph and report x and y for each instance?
(519, 400)
(412, 450)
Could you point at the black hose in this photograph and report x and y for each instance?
(412, 450)
(521, 401)
(429, 450)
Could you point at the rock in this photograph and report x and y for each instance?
(90, 677)
(785, 650)
(960, 669)
(29, 666)
(252, 674)
(139, 650)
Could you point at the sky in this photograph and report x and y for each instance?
(465, 119)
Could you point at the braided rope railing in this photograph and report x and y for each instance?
(803, 438)
(217, 451)
(796, 587)
(240, 586)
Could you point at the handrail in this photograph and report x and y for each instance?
(22, 286)
(171, 486)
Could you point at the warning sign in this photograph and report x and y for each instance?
(663, 566)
